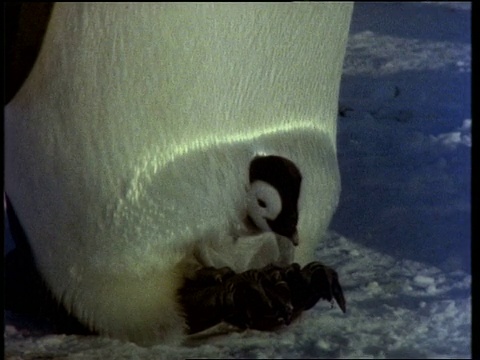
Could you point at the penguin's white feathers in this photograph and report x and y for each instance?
(128, 147)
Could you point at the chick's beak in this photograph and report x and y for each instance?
(294, 238)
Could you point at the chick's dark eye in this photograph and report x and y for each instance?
(261, 203)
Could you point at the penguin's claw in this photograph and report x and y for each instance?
(263, 299)
(320, 282)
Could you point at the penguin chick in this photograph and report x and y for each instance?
(272, 199)
(271, 221)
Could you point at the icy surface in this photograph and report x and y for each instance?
(396, 308)
(404, 140)
(403, 256)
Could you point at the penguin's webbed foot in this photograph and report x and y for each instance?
(263, 299)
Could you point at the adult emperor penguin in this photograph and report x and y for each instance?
(152, 140)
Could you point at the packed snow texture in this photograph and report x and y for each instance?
(403, 256)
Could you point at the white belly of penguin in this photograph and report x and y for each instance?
(128, 147)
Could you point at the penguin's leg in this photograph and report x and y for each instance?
(263, 299)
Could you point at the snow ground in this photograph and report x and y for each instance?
(404, 142)
(403, 256)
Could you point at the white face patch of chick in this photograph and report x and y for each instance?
(263, 202)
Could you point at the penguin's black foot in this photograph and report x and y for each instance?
(263, 299)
